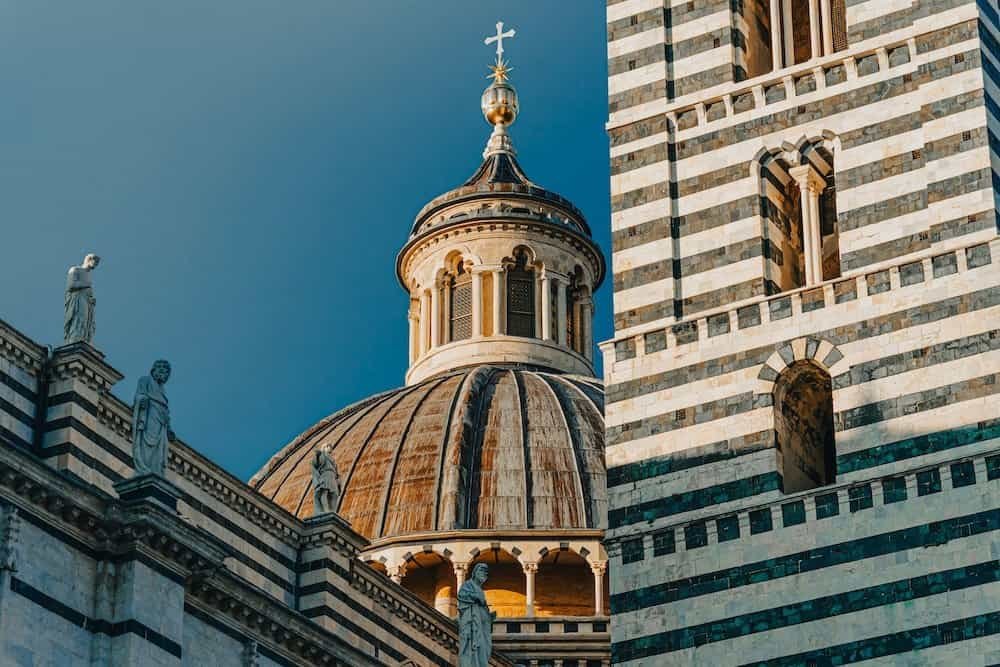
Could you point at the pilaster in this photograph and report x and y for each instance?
(82, 436)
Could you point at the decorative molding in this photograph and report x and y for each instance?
(10, 539)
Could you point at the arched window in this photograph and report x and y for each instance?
(781, 33)
(803, 427)
(802, 245)
(521, 298)
(460, 300)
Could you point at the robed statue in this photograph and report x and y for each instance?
(151, 432)
(326, 483)
(78, 325)
(475, 621)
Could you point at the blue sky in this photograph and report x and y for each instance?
(248, 170)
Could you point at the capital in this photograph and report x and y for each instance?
(599, 567)
(808, 178)
(530, 568)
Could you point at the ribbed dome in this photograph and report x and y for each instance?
(480, 448)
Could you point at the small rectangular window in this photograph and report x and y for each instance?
(632, 551)
(761, 521)
(728, 528)
(664, 543)
(827, 505)
(993, 467)
(792, 514)
(695, 536)
(633, 20)
(631, 65)
(928, 482)
(569, 628)
(542, 628)
(513, 628)
(860, 497)
(894, 490)
(963, 474)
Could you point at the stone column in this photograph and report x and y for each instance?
(461, 568)
(788, 31)
(776, 61)
(586, 327)
(546, 307)
(599, 568)
(414, 321)
(561, 312)
(435, 315)
(477, 303)
(499, 326)
(827, 27)
(815, 32)
(425, 319)
(810, 186)
(445, 313)
(530, 570)
(815, 189)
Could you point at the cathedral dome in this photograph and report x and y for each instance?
(488, 447)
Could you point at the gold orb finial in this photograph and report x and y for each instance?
(499, 102)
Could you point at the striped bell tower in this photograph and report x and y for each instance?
(803, 406)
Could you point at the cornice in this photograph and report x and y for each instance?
(234, 494)
(83, 362)
(21, 351)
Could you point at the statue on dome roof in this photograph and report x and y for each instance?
(326, 483)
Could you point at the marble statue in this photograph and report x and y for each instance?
(326, 483)
(151, 432)
(475, 621)
(78, 325)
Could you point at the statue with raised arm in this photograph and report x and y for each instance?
(475, 621)
(151, 432)
(326, 483)
(78, 325)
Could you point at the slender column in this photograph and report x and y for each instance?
(460, 570)
(817, 234)
(538, 304)
(561, 312)
(435, 315)
(586, 327)
(445, 313)
(530, 569)
(827, 27)
(789, 32)
(477, 304)
(499, 326)
(414, 320)
(546, 307)
(815, 32)
(425, 320)
(599, 568)
(776, 61)
(802, 175)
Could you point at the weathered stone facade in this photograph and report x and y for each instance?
(226, 578)
(801, 392)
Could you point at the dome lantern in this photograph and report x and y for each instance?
(500, 270)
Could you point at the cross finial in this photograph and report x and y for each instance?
(498, 38)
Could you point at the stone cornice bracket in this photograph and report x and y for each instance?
(85, 363)
(17, 349)
(251, 657)
(331, 530)
(10, 539)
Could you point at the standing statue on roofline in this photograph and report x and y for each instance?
(326, 483)
(151, 434)
(475, 621)
(78, 325)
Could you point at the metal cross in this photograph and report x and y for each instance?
(498, 38)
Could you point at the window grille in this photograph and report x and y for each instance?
(570, 310)
(838, 13)
(521, 301)
(461, 307)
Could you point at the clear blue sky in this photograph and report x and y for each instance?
(248, 169)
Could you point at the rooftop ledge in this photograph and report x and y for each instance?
(880, 47)
(917, 269)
